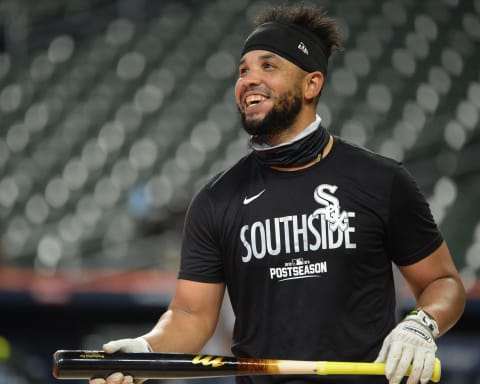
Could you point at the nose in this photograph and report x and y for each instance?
(245, 82)
(251, 77)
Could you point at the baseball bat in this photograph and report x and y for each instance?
(84, 364)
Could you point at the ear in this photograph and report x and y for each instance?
(313, 85)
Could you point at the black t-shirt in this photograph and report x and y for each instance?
(306, 255)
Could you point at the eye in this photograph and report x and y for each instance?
(243, 71)
(268, 66)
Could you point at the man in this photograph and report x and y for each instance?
(303, 232)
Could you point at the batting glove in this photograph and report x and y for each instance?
(412, 341)
(123, 345)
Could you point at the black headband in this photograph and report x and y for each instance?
(293, 42)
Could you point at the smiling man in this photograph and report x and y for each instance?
(280, 80)
(268, 95)
(304, 232)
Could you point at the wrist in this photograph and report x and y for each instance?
(424, 318)
(145, 343)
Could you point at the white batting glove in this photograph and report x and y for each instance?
(412, 341)
(127, 345)
(138, 344)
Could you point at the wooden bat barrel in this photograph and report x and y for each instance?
(80, 364)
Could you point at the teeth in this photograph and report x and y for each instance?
(254, 99)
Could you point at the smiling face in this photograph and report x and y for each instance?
(269, 94)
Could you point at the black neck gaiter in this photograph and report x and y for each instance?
(295, 154)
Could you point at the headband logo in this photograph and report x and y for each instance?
(303, 48)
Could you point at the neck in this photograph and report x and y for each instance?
(289, 134)
(324, 154)
(300, 150)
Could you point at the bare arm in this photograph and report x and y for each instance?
(190, 320)
(437, 287)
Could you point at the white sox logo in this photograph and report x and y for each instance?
(328, 227)
(331, 207)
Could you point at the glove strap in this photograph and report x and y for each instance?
(146, 343)
(422, 317)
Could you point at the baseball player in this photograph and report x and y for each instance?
(305, 230)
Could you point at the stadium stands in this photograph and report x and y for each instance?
(121, 123)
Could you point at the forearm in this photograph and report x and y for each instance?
(444, 300)
(179, 331)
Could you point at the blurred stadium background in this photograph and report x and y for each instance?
(113, 112)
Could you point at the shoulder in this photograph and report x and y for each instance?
(364, 163)
(351, 151)
(231, 177)
(227, 183)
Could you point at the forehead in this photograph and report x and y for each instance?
(260, 55)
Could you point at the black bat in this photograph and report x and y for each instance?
(83, 364)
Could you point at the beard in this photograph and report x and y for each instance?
(280, 118)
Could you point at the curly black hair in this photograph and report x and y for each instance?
(308, 16)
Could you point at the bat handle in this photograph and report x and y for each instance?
(338, 367)
(437, 371)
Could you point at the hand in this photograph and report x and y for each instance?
(124, 345)
(412, 341)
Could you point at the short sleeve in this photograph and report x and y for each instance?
(201, 259)
(412, 233)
